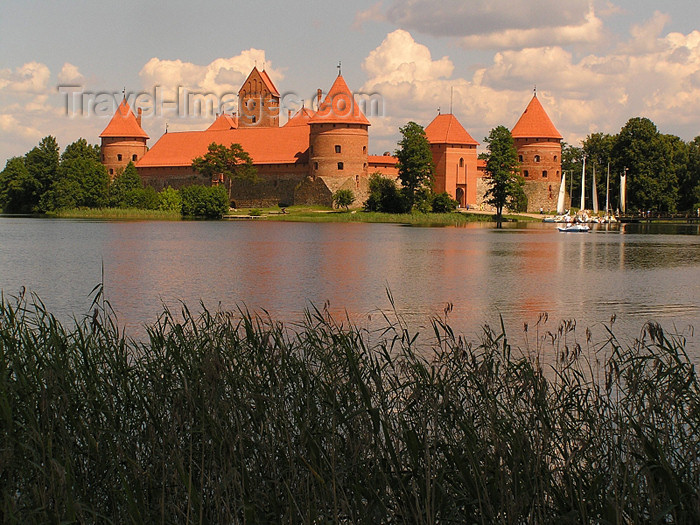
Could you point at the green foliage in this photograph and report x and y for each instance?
(384, 196)
(18, 189)
(652, 183)
(443, 203)
(343, 198)
(127, 191)
(81, 180)
(255, 212)
(169, 199)
(415, 161)
(505, 181)
(234, 418)
(222, 164)
(204, 202)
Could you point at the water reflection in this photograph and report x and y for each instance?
(636, 272)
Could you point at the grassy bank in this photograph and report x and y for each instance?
(319, 214)
(117, 213)
(234, 418)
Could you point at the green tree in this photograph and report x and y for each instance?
(443, 203)
(415, 161)
(598, 150)
(652, 184)
(42, 163)
(124, 188)
(204, 202)
(384, 196)
(571, 162)
(690, 185)
(170, 200)
(81, 180)
(343, 198)
(504, 180)
(17, 187)
(229, 164)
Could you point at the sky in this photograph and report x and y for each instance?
(594, 63)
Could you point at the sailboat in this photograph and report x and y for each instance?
(608, 217)
(623, 189)
(562, 214)
(594, 191)
(583, 185)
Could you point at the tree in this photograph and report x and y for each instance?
(81, 180)
(415, 161)
(651, 182)
(343, 198)
(17, 187)
(443, 203)
(226, 164)
(598, 150)
(384, 196)
(170, 200)
(42, 163)
(204, 202)
(505, 182)
(127, 191)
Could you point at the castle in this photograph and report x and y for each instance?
(316, 153)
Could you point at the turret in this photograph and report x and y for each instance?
(123, 140)
(539, 152)
(339, 136)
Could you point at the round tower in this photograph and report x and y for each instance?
(123, 140)
(539, 152)
(338, 140)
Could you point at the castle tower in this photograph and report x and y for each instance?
(454, 155)
(258, 101)
(539, 152)
(123, 140)
(338, 139)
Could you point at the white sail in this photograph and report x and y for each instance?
(583, 185)
(562, 195)
(607, 193)
(595, 193)
(623, 190)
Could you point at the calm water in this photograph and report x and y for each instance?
(636, 272)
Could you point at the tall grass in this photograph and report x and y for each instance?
(117, 213)
(234, 418)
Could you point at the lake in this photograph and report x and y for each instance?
(635, 272)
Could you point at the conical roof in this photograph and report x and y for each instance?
(124, 124)
(534, 123)
(446, 129)
(339, 106)
(300, 118)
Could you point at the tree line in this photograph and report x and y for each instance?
(47, 181)
(662, 171)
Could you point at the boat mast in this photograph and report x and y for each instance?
(594, 191)
(583, 185)
(607, 192)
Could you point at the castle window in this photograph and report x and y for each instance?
(555, 158)
(134, 157)
(315, 165)
(340, 166)
(253, 119)
(337, 148)
(544, 174)
(526, 173)
(520, 158)
(119, 156)
(461, 162)
(111, 171)
(364, 166)
(537, 158)
(364, 149)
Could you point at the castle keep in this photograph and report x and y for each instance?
(316, 153)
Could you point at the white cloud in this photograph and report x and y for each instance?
(31, 77)
(70, 75)
(221, 76)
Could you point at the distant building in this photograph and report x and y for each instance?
(539, 152)
(319, 152)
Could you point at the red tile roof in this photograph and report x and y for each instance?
(285, 145)
(124, 124)
(300, 118)
(446, 129)
(224, 122)
(535, 123)
(268, 82)
(339, 106)
(388, 160)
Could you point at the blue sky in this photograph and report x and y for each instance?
(595, 63)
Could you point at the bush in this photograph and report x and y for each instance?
(204, 202)
(343, 198)
(384, 196)
(443, 203)
(170, 200)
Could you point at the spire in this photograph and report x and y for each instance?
(535, 123)
(339, 68)
(124, 124)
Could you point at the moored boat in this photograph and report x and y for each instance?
(575, 228)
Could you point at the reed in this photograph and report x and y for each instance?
(117, 213)
(221, 417)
